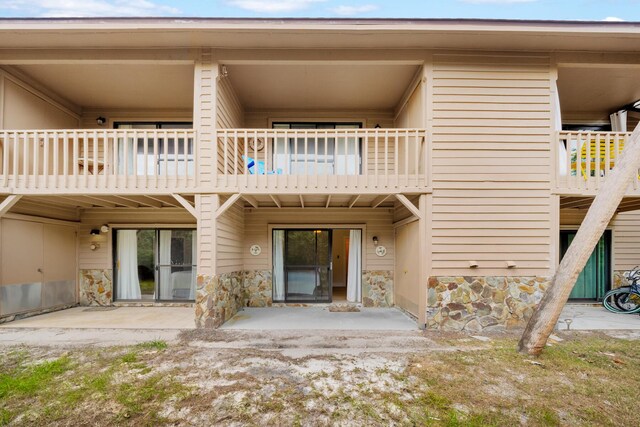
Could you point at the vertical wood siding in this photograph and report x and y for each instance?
(491, 164)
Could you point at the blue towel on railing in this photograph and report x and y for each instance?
(251, 167)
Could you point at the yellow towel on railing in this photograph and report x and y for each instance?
(596, 158)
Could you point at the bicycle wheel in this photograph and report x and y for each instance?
(622, 300)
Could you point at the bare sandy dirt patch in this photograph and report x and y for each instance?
(323, 378)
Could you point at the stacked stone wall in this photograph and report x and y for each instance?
(465, 303)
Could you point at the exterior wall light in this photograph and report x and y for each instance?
(94, 232)
(375, 240)
(101, 121)
(104, 228)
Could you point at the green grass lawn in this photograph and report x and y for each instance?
(586, 380)
(147, 287)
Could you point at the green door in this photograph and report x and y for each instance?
(593, 282)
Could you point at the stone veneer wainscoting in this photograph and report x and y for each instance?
(257, 288)
(96, 287)
(619, 279)
(218, 298)
(474, 304)
(377, 288)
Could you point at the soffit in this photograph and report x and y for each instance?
(597, 89)
(334, 86)
(118, 85)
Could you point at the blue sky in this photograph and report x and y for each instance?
(595, 10)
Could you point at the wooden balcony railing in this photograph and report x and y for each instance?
(348, 160)
(84, 160)
(585, 159)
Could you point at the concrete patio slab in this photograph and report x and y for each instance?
(596, 318)
(112, 318)
(320, 318)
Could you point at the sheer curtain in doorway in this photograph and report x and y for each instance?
(128, 282)
(278, 265)
(164, 260)
(354, 279)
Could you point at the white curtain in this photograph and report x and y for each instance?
(355, 266)
(128, 144)
(557, 121)
(164, 260)
(278, 265)
(128, 282)
(194, 269)
(619, 121)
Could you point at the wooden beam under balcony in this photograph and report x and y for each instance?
(8, 203)
(410, 206)
(251, 200)
(187, 205)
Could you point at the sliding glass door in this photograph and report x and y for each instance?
(317, 156)
(302, 265)
(155, 265)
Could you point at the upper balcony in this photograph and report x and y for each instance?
(303, 128)
(594, 133)
(585, 160)
(98, 161)
(335, 161)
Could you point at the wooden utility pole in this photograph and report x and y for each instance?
(602, 209)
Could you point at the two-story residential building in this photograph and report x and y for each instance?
(437, 166)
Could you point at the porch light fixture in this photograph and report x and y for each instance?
(375, 240)
(377, 126)
(104, 228)
(223, 71)
(94, 232)
(101, 121)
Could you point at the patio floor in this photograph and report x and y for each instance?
(111, 318)
(320, 318)
(586, 317)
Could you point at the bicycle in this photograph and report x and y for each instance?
(625, 299)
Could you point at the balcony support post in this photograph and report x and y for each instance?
(8, 203)
(185, 204)
(424, 246)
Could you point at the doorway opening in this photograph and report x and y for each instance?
(317, 265)
(154, 265)
(595, 279)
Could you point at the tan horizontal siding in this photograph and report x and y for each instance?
(378, 222)
(230, 239)
(230, 115)
(626, 240)
(491, 154)
(102, 257)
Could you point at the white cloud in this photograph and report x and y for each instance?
(345, 10)
(273, 6)
(87, 8)
(613, 19)
(498, 1)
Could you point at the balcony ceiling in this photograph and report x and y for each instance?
(597, 89)
(117, 85)
(328, 86)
